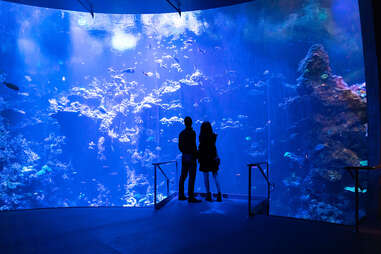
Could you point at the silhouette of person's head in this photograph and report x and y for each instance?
(206, 129)
(188, 122)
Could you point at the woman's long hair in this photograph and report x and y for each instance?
(206, 131)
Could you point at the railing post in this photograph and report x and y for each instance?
(249, 190)
(266, 175)
(268, 189)
(155, 183)
(357, 199)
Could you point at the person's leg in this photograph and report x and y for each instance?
(207, 187)
(206, 182)
(192, 179)
(219, 195)
(218, 186)
(183, 176)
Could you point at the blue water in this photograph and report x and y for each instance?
(101, 99)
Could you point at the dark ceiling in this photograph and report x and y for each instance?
(129, 6)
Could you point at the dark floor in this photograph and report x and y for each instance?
(178, 227)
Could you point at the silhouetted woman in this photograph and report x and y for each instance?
(208, 158)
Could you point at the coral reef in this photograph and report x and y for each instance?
(328, 132)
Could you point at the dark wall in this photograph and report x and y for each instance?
(370, 24)
(377, 19)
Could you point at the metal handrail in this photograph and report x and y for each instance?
(164, 162)
(161, 170)
(258, 165)
(364, 167)
(269, 184)
(357, 187)
(156, 166)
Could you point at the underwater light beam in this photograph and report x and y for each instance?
(122, 41)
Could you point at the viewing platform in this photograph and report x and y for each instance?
(179, 227)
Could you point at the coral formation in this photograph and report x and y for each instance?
(329, 131)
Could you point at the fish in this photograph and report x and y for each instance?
(176, 59)
(164, 66)
(202, 51)
(20, 111)
(353, 189)
(11, 86)
(46, 168)
(324, 76)
(41, 172)
(190, 41)
(176, 66)
(167, 57)
(102, 109)
(293, 157)
(242, 116)
(259, 130)
(319, 147)
(91, 145)
(150, 138)
(110, 69)
(27, 169)
(159, 61)
(129, 70)
(148, 74)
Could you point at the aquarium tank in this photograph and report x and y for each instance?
(88, 104)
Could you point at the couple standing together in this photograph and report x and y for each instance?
(206, 154)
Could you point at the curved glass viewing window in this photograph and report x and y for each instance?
(87, 105)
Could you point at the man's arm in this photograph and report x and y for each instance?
(194, 144)
(181, 142)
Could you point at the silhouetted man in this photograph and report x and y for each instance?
(188, 147)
